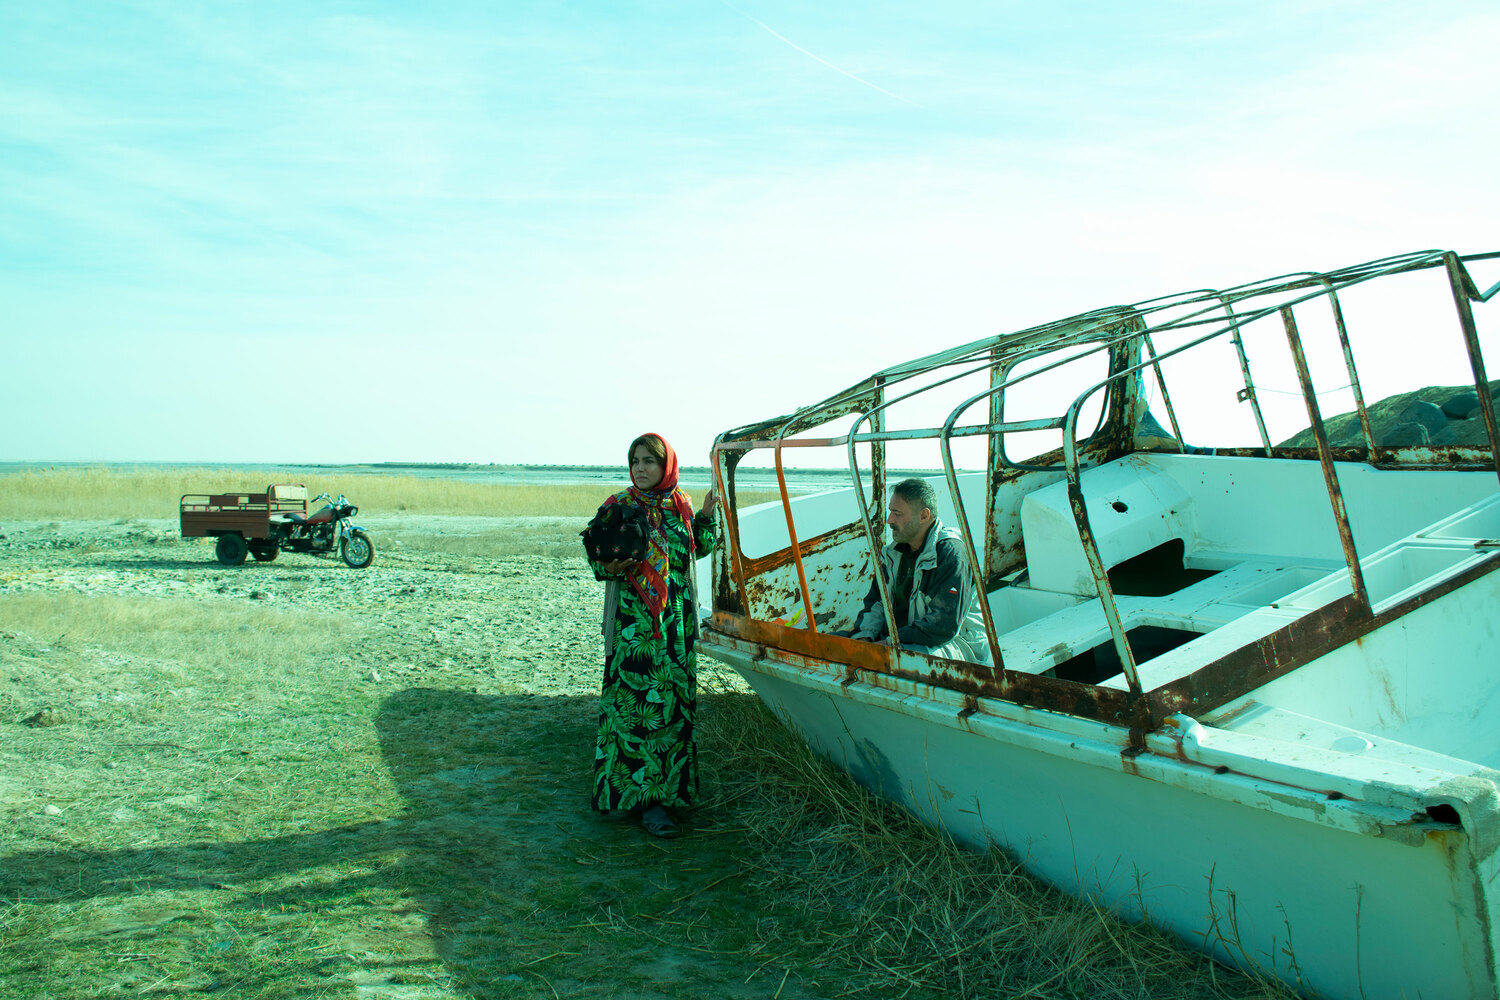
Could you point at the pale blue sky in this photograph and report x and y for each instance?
(524, 232)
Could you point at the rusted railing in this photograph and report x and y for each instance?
(1128, 336)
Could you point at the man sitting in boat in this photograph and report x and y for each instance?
(932, 592)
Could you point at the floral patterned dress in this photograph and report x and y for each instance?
(646, 752)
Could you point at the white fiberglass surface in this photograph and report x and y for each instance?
(1478, 524)
(1248, 519)
(1425, 679)
(1227, 508)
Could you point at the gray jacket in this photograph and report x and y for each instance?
(943, 611)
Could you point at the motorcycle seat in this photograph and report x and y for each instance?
(292, 517)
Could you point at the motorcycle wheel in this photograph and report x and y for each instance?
(358, 551)
(231, 549)
(264, 551)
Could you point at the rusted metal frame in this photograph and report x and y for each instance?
(855, 656)
(1091, 547)
(1246, 668)
(1325, 457)
(992, 466)
(1294, 645)
(1359, 393)
(1222, 330)
(846, 401)
(1239, 347)
(873, 663)
(1045, 696)
(976, 576)
(1165, 397)
(1117, 409)
(1463, 284)
(1235, 674)
(1100, 341)
(849, 654)
(791, 533)
(1449, 458)
(877, 441)
(1356, 274)
(1305, 280)
(1117, 378)
(1487, 255)
(1046, 337)
(763, 444)
(877, 463)
(1059, 331)
(877, 457)
(1003, 367)
(1113, 344)
(760, 565)
(973, 430)
(1342, 279)
(1062, 331)
(734, 567)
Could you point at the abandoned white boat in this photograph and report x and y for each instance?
(1246, 690)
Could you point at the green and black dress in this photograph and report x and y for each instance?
(646, 752)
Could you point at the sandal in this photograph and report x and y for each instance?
(658, 822)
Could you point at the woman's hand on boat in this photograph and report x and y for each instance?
(710, 501)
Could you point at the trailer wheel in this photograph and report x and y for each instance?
(358, 551)
(264, 551)
(231, 549)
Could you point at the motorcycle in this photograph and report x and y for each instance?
(320, 532)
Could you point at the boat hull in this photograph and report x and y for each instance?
(1333, 895)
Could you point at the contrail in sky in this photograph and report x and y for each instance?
(814, 56)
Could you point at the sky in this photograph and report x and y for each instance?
(525, 232)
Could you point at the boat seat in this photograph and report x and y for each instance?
(1205, 607)
(1132, 507)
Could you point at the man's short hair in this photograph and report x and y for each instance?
(918, 493)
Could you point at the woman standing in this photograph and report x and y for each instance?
(646, 760)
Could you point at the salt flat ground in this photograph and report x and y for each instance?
(295, 779)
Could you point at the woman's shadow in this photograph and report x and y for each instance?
(497, 849)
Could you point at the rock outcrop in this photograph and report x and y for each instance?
(1436, 415)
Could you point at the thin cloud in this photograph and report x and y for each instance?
(815, 57)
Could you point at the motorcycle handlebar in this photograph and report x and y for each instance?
(342, 501)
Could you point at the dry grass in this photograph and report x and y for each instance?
(106, 494)
(243, 809)
(242, 814)
(174, 631)
(100, 493)
(915, 913)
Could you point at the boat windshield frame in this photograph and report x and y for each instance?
(1126, 336)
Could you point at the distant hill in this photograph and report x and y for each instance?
(1438, 414)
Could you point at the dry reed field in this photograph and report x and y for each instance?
(73, 493)
(295, 780)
